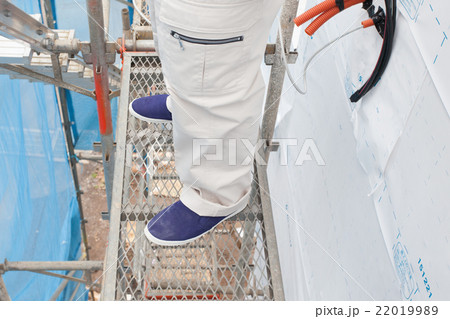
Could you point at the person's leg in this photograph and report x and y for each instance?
(216, 92)
(211, 52)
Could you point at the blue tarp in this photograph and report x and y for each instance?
(38, 208)
(39, 215)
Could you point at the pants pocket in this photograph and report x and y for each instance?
(206, 45)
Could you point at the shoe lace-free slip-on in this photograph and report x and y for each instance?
(178, 225)
(151, 108)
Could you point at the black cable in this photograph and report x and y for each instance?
(383, 60)
(386, 50)
(340, 4)
(378, 18)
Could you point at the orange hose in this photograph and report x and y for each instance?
(122, 52)
(327, 15)
(311, 13)
(368, 23)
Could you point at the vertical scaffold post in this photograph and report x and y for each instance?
(100, 67)
(274, 93)
(4, 296)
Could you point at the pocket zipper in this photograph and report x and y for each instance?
(180, 37)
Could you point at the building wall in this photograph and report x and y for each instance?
(373, 221)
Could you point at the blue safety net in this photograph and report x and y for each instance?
(38, 208)
(39, 215)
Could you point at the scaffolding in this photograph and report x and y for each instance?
(239, 259)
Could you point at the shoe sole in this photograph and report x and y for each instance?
(161, 242)
(143, 118)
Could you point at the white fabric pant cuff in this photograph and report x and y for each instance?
(192, 199)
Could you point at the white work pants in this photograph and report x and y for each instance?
(211, 52)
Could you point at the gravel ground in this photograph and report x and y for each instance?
(94, 203)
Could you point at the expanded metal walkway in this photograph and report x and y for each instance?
(231, 263)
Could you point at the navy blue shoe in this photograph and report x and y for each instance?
(178, 225)
(151, 109)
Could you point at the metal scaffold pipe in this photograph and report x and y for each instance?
(274, 92)
(4, 296)
(98, 54)
(125, 20)
(90, 265)
(61, 287)
(278, 71)
(106, 14)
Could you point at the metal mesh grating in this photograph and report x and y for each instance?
(230, 263)
(144, 7)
